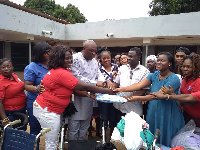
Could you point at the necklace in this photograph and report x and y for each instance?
(165, 76)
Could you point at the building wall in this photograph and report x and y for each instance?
(19, 21)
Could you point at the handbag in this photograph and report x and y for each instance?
(69, 110)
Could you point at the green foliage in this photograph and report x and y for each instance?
(70, 13)
(165, 7)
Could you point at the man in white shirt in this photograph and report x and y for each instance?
(85, 68)
(127, 75)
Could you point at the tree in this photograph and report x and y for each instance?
(70, 13)
(165, 7)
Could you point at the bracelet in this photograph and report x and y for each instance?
(167, 97)
(36, 90)
(5, 120)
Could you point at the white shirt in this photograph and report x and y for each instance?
(123, 78)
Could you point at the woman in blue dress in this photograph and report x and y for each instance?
(161, 114)
(33, 75)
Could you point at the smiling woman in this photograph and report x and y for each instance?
(161, 114)
(59, 84)
(190, 89)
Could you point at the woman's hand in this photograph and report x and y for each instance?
(5, 123)
(114, 74)
(166, 90)
(40, 88)
(110, 85)
(158, 95)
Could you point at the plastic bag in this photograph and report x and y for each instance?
(133, 127)
(121, 126)
(181, 138)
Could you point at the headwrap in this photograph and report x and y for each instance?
(151, 57)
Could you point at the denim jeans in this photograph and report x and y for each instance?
(51, 120)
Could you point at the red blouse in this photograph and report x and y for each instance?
(12, 93)
(59, 84)
(192, 87)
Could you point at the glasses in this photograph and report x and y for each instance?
(131, 74)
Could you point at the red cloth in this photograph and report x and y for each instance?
(12, 93)
(177, 148)
(59, 84)
(192, 87)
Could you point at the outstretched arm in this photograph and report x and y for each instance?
(82, 86)
(134, 87)
(181, 98)
(141, 98)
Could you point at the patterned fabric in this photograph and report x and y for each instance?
(86, 71)
(107, 75)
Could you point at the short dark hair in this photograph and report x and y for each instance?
(170, 59)
(184, 50)
(38, 51)
(137, 50)
(57, 56)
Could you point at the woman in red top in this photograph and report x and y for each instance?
(59, 84)
(190, 89)
(12, 96)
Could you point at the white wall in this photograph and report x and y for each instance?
(16, 20)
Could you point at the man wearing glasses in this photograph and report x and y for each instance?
(127, 75)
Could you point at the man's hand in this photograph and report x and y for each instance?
(118, 90)
(132, 98)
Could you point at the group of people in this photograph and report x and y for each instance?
(56, 72)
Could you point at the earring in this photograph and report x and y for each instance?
(169, 65)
